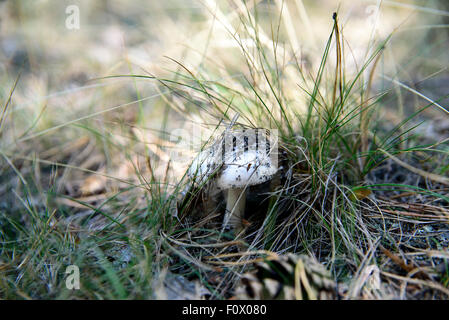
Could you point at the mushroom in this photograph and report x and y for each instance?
(240, 158)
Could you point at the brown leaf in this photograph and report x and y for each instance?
(360, 194)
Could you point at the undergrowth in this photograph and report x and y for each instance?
(338, 194)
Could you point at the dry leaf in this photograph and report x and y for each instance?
(360, 194)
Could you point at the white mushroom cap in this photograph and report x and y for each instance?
(248, 169)
(204, 165)
(243, 157)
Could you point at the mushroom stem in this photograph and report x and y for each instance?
(235, 208)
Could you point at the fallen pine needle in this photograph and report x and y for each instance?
(429, 175)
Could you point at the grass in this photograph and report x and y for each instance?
(110, 202)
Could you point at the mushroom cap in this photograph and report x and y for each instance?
(248, 169)
(242, 157)
(204, 165)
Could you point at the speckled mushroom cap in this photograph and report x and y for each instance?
(243, 157)
(248, 169)
(204, 165)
